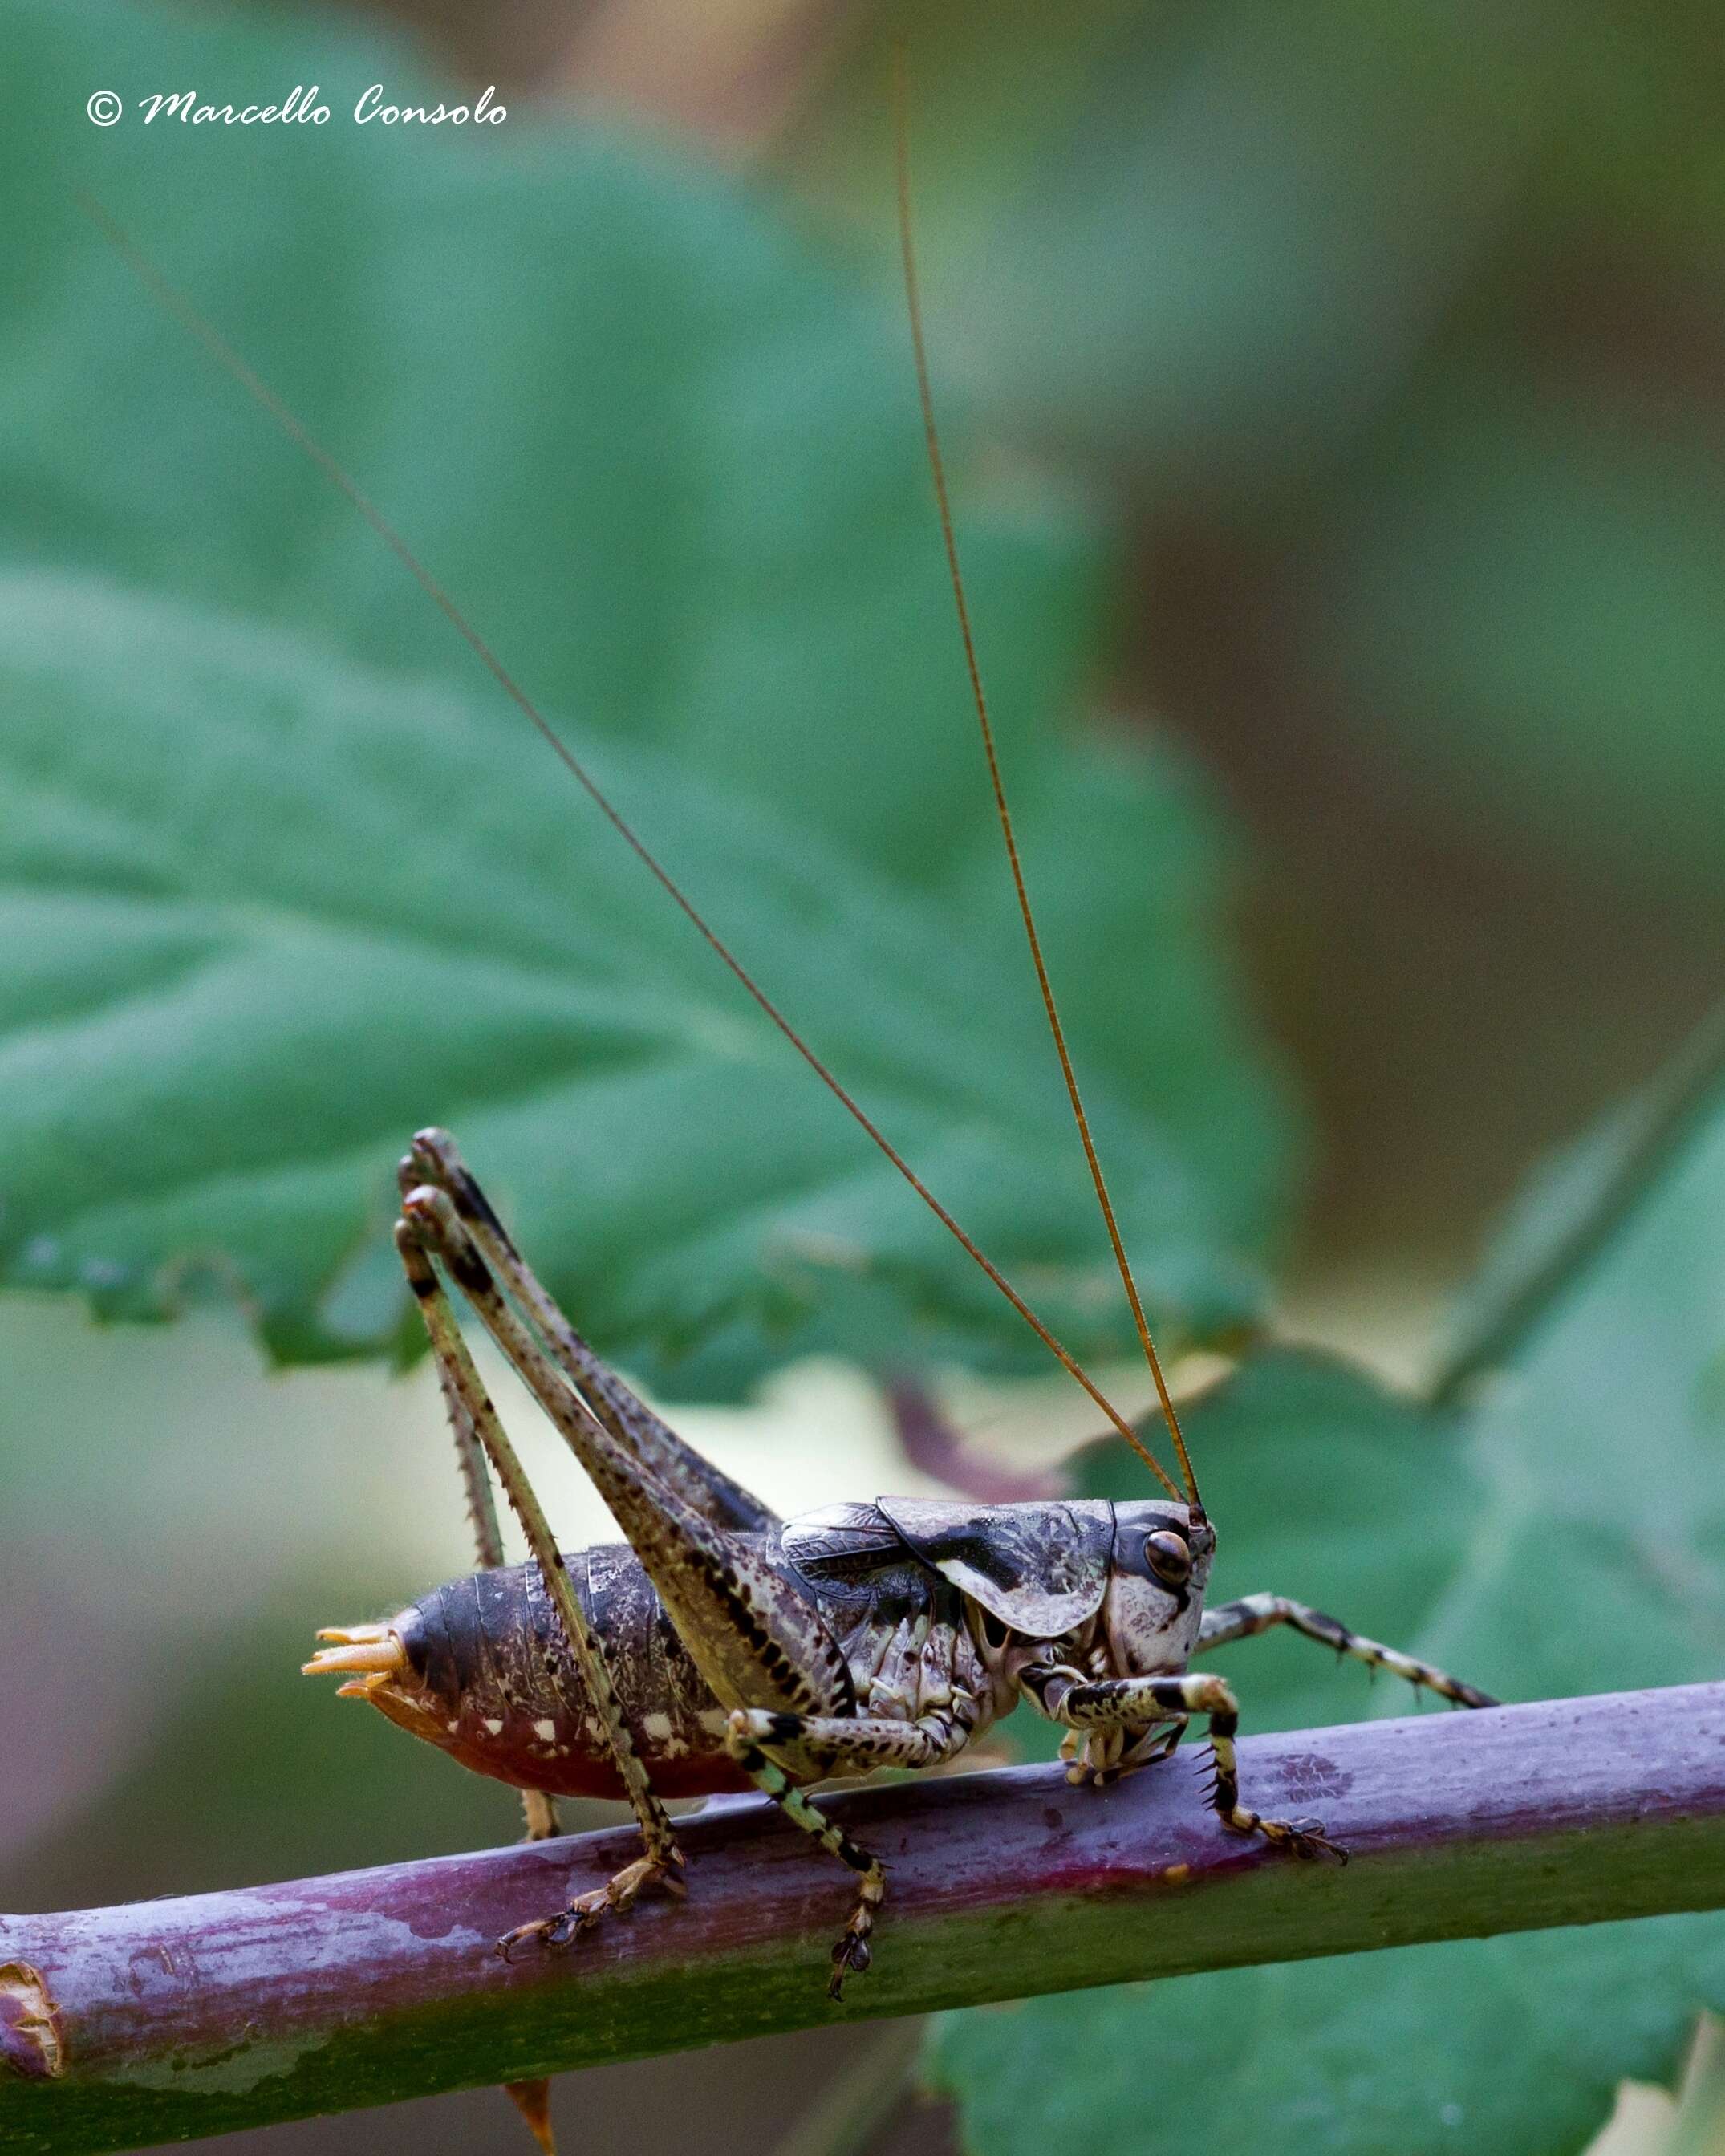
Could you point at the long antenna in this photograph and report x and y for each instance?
(175, 302)
(937, 465)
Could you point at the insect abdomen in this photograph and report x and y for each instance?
(492, 1681)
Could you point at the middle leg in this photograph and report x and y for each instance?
(831, 1744)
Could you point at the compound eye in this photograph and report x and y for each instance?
(1168, 1556)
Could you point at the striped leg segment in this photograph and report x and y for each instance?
(743, 1741)
(530, 2099)
(752, 1641)
(617, 1893)
(1137, 1702)
(434, 1162)
(1101, 1755)
(539, 1811)
(814, 1746)
(1258, 1612)
(464, 1386)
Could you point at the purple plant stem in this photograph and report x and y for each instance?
(181, 2018)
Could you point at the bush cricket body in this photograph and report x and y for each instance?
(720, 1648)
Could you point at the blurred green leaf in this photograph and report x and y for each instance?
(1324, 1486)
(272, 913)
(1519, 603)
(1403, 327)
(662, 449)
(1567, 1536)
(295, 909)
(1127, 866)
(1204, 240)
(1571, 1207)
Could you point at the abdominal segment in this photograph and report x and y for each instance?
(489, 1678)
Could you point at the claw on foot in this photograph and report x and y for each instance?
(585, 1910)
(850, 1957)
(1305, 1838)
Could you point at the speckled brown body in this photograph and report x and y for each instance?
(721, 1647)
(489, 1679)
(495, 1686)
(916, 1610)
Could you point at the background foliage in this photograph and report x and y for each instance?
(676, 490)
(1334, 401)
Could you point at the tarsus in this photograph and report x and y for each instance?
(937, 465)
(175, 302)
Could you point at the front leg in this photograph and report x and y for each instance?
(1135, 1702)
(1099, 1756)
(1258, 1612)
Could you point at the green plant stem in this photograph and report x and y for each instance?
(1661, 1123)
(1699, 2127)
(849, 2112)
